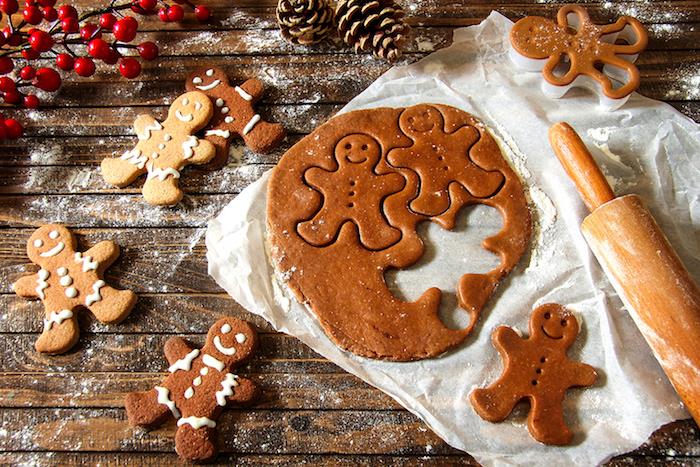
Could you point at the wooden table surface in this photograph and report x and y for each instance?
(68, 409)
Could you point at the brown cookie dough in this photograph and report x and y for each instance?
(343, 206)
(536, 368)
(67, 281)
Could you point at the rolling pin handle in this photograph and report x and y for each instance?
(580, 166)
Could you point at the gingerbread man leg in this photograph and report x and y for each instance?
(493, 403)
(144, 409)
(264, 137)
(546, 421)
(110, 305)
(60, 333)
(164, 192)
(195, 444)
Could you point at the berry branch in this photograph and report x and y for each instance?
(42, 30)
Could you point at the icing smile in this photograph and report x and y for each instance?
(549, 335)
(183, 117)
(209, 86)
(223, 349)
(53, 251)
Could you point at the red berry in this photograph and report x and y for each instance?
(129, 67)
(107, 20)
(11, 97)
(7, 84)
(47, 79)
(148, 50)
(50, 14)
(64, 62)
(67, 11)
(111, 57)
(30, 54)
(84, 66)
(40, 41)
(32, 15)
(13, 129)
(31, 101)
(202, 13)
(125, 29)
(27, 73)
(148, 5)
(69, 25)
(90, 31)
(6, 65)
(176, 13)
(9, 7)
(163, 15)
(98, 48)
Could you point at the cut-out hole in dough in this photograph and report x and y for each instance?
(459, 250)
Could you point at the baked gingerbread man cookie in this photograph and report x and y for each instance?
(234, 114)
(164, 149)
(536, 368)
(67, 281)
(199, 386)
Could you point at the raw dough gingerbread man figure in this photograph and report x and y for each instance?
(68, 280)
(164, 149)
(538, 369)
(234, 113)
(198, 388)
(353, 192)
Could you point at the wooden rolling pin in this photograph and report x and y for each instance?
(646, 272)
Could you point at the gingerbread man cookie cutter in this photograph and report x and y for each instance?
(198, 388)
(69, 280)
(574, 52)
(234, 113)
(164, 149)
(536, 368)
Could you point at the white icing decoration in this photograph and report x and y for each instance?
(88, 263)
(71, 292)
(187, 146)
(183, 118)
(189, 392)
(41, 283)
(223, 349)
(167, 137)
(161, 146)
(210, 361)
(62, 271)
(197, 80)
(185, 101)
(243, 94)
(209, 86)
(210, 72)
(154, 155)
(204, 371)
(53, 251)
(162, 174)
(227, 385)
(53, 235)
(226, 328)
(219, 102)
(65, 281)
(185, 363)
(95, 295)
(251, 124)
(155, 126)
(197, 105)
(38, 243)
(197, 422)
(57, 317)
(223, 133)
(229, 119)
(225, 110)
(134, 157)
(164, 398)
(197, 381)
(240, 338)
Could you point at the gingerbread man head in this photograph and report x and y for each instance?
(230, 341)
(190, 111)
(358, 149)
(53, 242)
(553, 322)
(206, 79)
(421, 119)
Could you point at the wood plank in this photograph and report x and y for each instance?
(107, 390)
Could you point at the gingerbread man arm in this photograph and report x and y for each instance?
(104, 253)
(202, 153)
(245, 393)
(506, 340)
(176, 348)
(143, 124)
(26, 286)
(584, 375)
(254, 87)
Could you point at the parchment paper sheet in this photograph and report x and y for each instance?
(646, 148)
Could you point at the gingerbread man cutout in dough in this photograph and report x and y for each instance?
(199, 386)
(353, 193)
(67, 281)
(164, 149)
(440, 159)
(234, 113)
(538, 369)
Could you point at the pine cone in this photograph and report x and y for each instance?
(375, 25)
(304, 22)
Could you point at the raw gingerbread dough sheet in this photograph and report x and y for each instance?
(646, 148)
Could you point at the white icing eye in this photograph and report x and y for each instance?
(38, 243)
(228, 119)
(219, 102)
(62, 271)
(197, 80)
(240, 338)
(53, 235)
(210, 72)
(71, 292)
(167, 137)
(197, 105)
(226, 328)
(204, 371)
(225, 110)
(185, 101)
